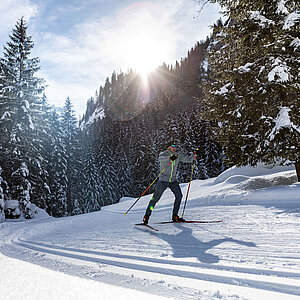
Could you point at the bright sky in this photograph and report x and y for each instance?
(80, 43)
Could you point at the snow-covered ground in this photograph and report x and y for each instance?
(253, 254)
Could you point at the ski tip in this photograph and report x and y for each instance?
(146, 225)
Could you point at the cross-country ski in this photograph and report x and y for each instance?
(146, 225)
(189, 221)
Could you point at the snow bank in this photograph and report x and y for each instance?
(281, 194)
(248, 185)
(35, 212)
(236, 174)
(260, 182)
(123, 199)
(39, 214)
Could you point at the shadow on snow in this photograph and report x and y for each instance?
(184, 244)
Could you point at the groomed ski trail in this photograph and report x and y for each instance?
(151, 260)
(253, 254)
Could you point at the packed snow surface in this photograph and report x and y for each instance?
(254, 253)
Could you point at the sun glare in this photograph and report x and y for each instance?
(142, 56)
(145, 42)
(144, 52)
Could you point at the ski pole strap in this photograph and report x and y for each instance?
(189, 185)
(146, 189)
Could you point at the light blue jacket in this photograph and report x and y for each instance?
(169, 174)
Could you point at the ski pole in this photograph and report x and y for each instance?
(146, 189)
(189, 183)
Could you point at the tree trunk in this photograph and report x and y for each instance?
(297, 166)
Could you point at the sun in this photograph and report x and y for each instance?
(143, 53)
(144, 40)
(144, 50)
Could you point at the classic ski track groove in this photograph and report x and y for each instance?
(194, 272)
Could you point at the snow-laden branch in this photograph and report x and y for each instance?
(280, 71)
(291, 19)
(282, 120)
(262, 21)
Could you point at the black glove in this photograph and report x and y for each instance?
(173, 157)
(197, 152)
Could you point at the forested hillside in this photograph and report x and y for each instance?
(131, 119)
(47, 159)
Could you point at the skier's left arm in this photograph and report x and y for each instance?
(186, 159)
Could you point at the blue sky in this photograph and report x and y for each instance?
(81, 42)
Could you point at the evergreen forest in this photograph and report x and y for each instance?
(227, 97)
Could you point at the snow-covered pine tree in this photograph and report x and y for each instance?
(122, 164)
(142, 157)
(91, 199)
(20, 92)
(43, 130)
(78, 165)
(193, 136)
(254, 97)
(70, 134)
(56, 167)
(2, 216)
(107, 172)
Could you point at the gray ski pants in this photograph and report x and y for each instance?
(160, 188)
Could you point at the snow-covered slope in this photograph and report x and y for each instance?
(253, 254)
(96, 115)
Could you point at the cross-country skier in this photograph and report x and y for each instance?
(168, 180)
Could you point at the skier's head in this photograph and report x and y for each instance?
(171, 146)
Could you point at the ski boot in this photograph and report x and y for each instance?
(176, 218)
(145, 219)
